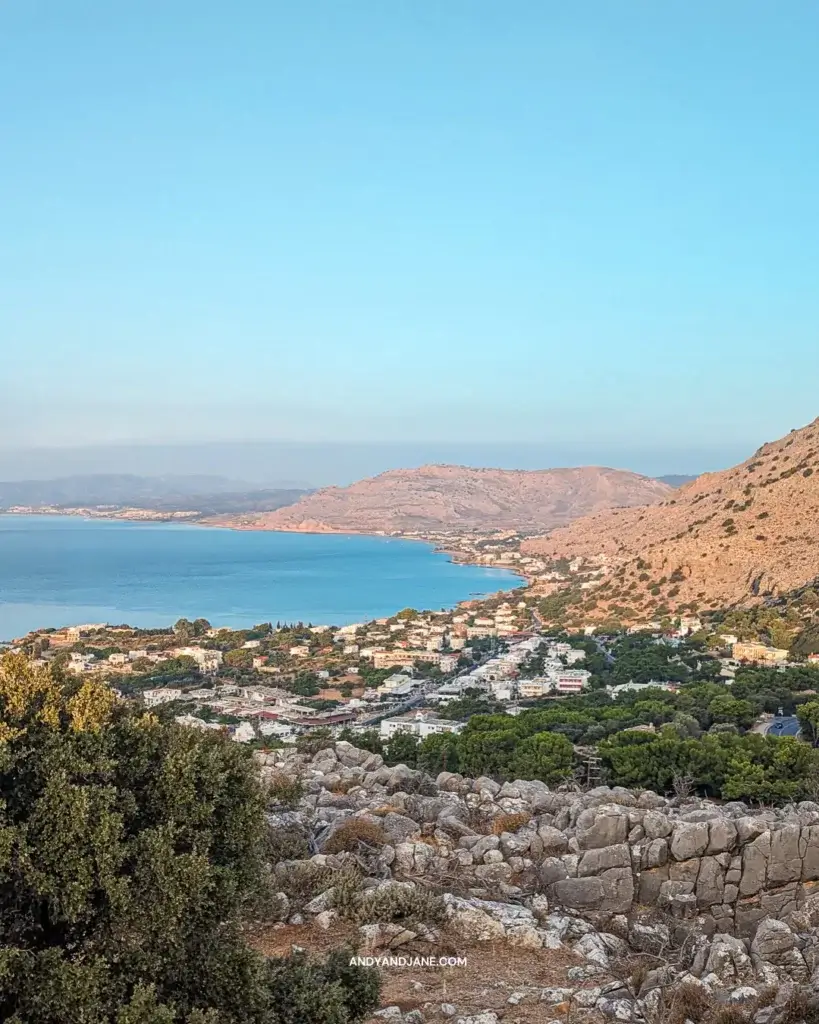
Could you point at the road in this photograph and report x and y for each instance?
(787, 725)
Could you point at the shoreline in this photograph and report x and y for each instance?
(516, 581)
(452, 555)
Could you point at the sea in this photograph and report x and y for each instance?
(65, 570)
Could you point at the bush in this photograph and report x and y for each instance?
(284, 790)
(287, 842)
(305, 991)
(140, 848)
(312, 742)
(351, 833)
(689, 1002)
(400, 903)
(303, 881)
(510, 822)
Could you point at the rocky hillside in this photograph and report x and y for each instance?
(627, 906)
(727, 538)
(460, 498)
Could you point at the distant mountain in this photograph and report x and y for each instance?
(733, 537)
(209, 495)
(442, 497)
(675, 479)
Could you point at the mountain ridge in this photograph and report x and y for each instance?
(441, 496)
(736, 536)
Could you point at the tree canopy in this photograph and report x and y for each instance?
(130, 851)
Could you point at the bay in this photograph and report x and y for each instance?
(61, 570)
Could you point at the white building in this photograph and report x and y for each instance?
(418, 723)
(243, 733)
(207, 661)
(628, 687)
(162, 695)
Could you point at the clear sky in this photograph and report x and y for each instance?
(591, 224)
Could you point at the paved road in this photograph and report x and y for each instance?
(785, 726)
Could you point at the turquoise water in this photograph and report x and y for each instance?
(59, 570)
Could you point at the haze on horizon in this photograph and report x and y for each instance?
(391, 234)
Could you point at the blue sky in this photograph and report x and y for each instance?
(590, 225)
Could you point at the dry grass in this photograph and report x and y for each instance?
(343, 787)
(796, 1010)
(510, 822)
(730, 1013)
(689, 1002)
(302, 882)
(351, 833)
(493, 970)
(385, 809)
(284, 790)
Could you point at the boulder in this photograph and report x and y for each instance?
(594, 861)
(399, 827)
(785, 861)
(596, 829)
(657, 825)
(554, 841)
(689, 839)
(474, 925)
(579, 893)
(722, 835)
(772, 939)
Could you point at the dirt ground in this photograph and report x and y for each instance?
(492, 973)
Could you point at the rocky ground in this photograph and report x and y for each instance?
(608, 904)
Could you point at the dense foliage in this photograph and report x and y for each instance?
(648, 737)
(130, 850)
(752, 767)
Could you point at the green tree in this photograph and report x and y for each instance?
(131, 851)
(306, 684)
(726, 708)
(546, 756)
(239, 658)
(402, 749)
(808, 715)
(438, 753)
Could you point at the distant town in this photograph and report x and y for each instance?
(418, 673)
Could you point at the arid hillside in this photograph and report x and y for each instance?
(729, 537)
(459, 498)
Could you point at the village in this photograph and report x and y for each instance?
(269, 684)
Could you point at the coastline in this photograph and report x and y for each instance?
(512, 579)
(455, 556)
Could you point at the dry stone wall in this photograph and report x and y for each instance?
(601, 853)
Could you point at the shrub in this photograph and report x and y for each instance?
(351, 833)
(140, 848)
(400, 903)
(418, 785)
(689, 1002)
(284, 790)
(329, 991)
(312, 742)
(304, 881)
(287, 842)
(510, 822)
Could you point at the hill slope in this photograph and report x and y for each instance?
(734, 536)
(460, 498)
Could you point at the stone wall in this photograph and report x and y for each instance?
(602, 853)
